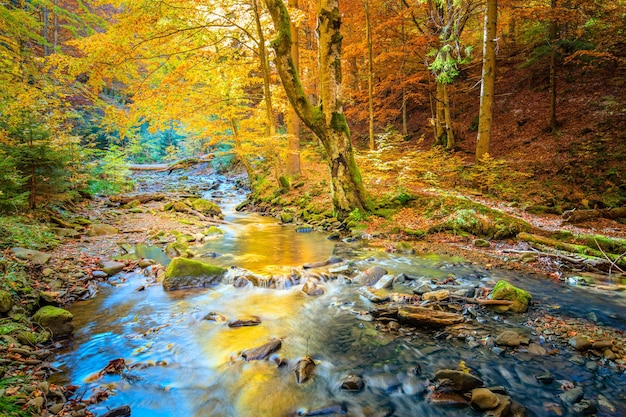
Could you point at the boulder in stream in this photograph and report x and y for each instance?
(187, 273)
(206, 207)
(370, 276)
(245, 322)
(263, 351)
(112, 267)
(457, 380)
(304, 369)
(352, 383)
(505, 291)
(311, 288)
(57, 320)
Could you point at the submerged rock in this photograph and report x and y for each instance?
(352, 383)
(505, 291)
(311, 288)
(580, 343)
(262, 352)
(245, 322)
(54, 319)
(186, 273)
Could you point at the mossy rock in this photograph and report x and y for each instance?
(505, 291)
(213, 230)
(175, 249)
(56, 320)
(6, 303)
(206, 207)
(186, 273)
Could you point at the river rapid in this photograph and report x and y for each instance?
(180, 364)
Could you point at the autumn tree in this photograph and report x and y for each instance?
(487, 79)
(327, 119)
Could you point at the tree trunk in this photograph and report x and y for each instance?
(440, 115)
(55, 37)
(370, 74)
(265, 70)
(552, 121)
(485, 116)
(293, 126)
(238, 149)
(327, 121)
(45, 14)
(450, 142)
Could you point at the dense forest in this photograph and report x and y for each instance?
(492, 130)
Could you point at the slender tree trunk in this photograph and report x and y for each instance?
(327, 121)
(487, 89)
(405, 130)
(293, 126)
(238, 148)
(370, 74)
(55, 38)
(440, 115)
(552, 121)
(265, 69)
(45, 14)
(450, 141)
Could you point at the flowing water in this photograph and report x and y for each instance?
(183, 365)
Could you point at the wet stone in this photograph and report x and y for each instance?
(457, 380)
(536, 349)
(244, 322)
(352, 383)
(508, 338)
(545, 378)
(484, 399)
(585, 408)
(572, 396)
(600, 345)
(580, 343)
(448, 399)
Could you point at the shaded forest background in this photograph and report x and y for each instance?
(91, 86)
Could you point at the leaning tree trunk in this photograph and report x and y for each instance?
(293, 122)
(327, 121)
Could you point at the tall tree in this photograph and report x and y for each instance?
(293, 122)
(487, 88)
(326, 120)
(370, 74)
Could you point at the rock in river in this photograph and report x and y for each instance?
(304, 369)
(370, 276)
(484, 399)
(261, 352)
(56, 320)
(457, 380)
(508, 338)
(186, 273)
(112, 267)
(505, 291)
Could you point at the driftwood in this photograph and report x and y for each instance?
(180, 164)
(576, 216)
(483, 301)
(142, 198)
(421, 316)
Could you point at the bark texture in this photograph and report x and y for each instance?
(327, 120)
(487, 89)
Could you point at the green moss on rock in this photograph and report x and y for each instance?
(505, 291)
(5, 302)
(206, 207)
(186, 273)
(54, 319)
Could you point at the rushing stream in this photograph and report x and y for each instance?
(183, 365)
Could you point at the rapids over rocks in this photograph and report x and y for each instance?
(182, 358)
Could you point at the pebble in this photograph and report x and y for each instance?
(508, 338)
(591, 365)
(580, 343)
(572, 396)
(537, 350)
(55, 408)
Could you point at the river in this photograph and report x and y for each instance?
(183, 365)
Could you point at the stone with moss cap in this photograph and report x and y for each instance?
(505, 291)
(186, 273)
(55, 319)
(207, 207)
(5, 302)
